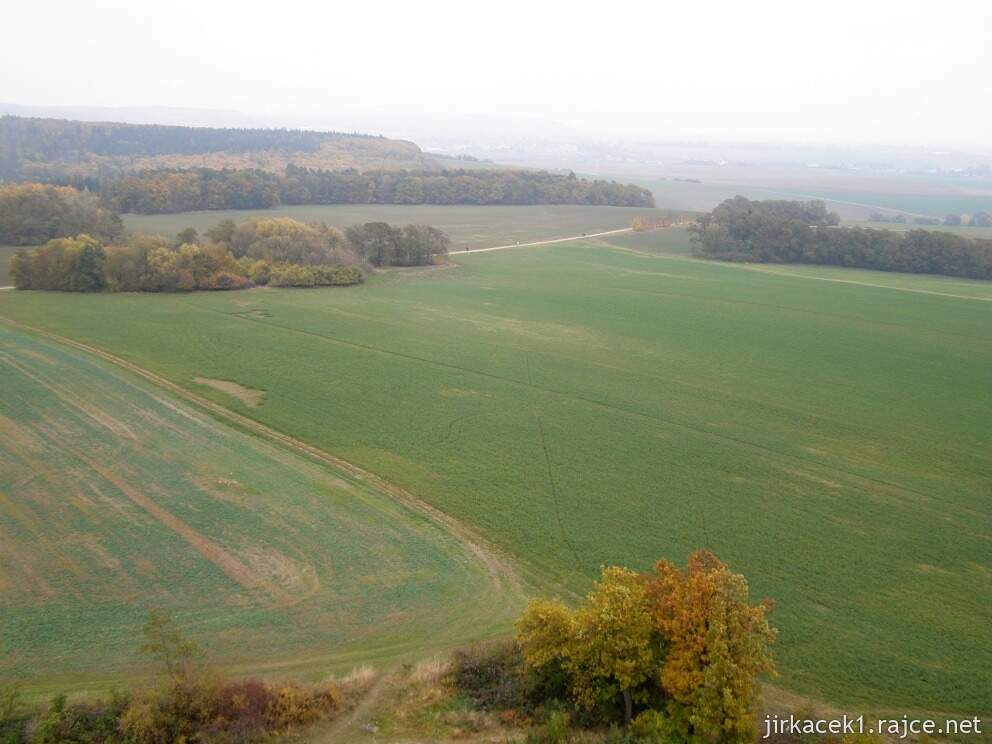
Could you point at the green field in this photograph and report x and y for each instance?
(116, 498)
(468, 226)
(978, 233)
(592, 403)
(854, 198)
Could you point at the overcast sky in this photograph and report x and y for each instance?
(870, 71)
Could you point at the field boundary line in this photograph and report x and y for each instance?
(760, 269)
(499, 567)
(584, 236)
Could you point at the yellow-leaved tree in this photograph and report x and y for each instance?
(718, 644)
(609, 647)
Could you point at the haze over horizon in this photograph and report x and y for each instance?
(894, 73)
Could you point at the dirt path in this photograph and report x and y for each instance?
(348, 725)
(501, 571)
(543, 242)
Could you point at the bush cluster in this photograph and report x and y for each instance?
(193, 705)
(280, 252)
(295, 275)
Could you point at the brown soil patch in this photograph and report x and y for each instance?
(251, 397)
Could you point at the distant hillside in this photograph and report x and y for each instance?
(43, 149)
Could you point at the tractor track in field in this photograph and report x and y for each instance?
(549, 241)
(501, 571)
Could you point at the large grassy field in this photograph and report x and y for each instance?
(468, 226)
(116, 499)
(594, 403)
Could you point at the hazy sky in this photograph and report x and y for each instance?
(906, 72)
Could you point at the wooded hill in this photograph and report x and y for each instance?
(47, 149)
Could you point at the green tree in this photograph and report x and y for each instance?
(609, 647)
(178, 656)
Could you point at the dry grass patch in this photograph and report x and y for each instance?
(251, 397)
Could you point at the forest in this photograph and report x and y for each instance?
(773, 231)
(279, 252)
(25, 140)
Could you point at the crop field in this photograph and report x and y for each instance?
(853, 198)
(116, 498)
(824, 431)
(978, 233)
(468, 226)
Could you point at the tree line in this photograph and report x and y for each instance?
(174, 190)
(740, 229)
(279, 252)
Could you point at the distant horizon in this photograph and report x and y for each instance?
(362, 119)
(887, 73)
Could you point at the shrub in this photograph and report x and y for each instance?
(295, 705)
(226, 280)
(80, 723)
(491, 675)
(295, 275)
(554, 731)
(13, 727)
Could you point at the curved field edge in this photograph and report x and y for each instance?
(116, 499)
(584, 405)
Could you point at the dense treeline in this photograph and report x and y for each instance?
(32, 213)
(175, 190)
(171, 190)
(280, 252)
(804, 232)
(25, 140)
(312, 186)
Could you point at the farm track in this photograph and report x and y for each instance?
(501, 571)
(544, 242)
